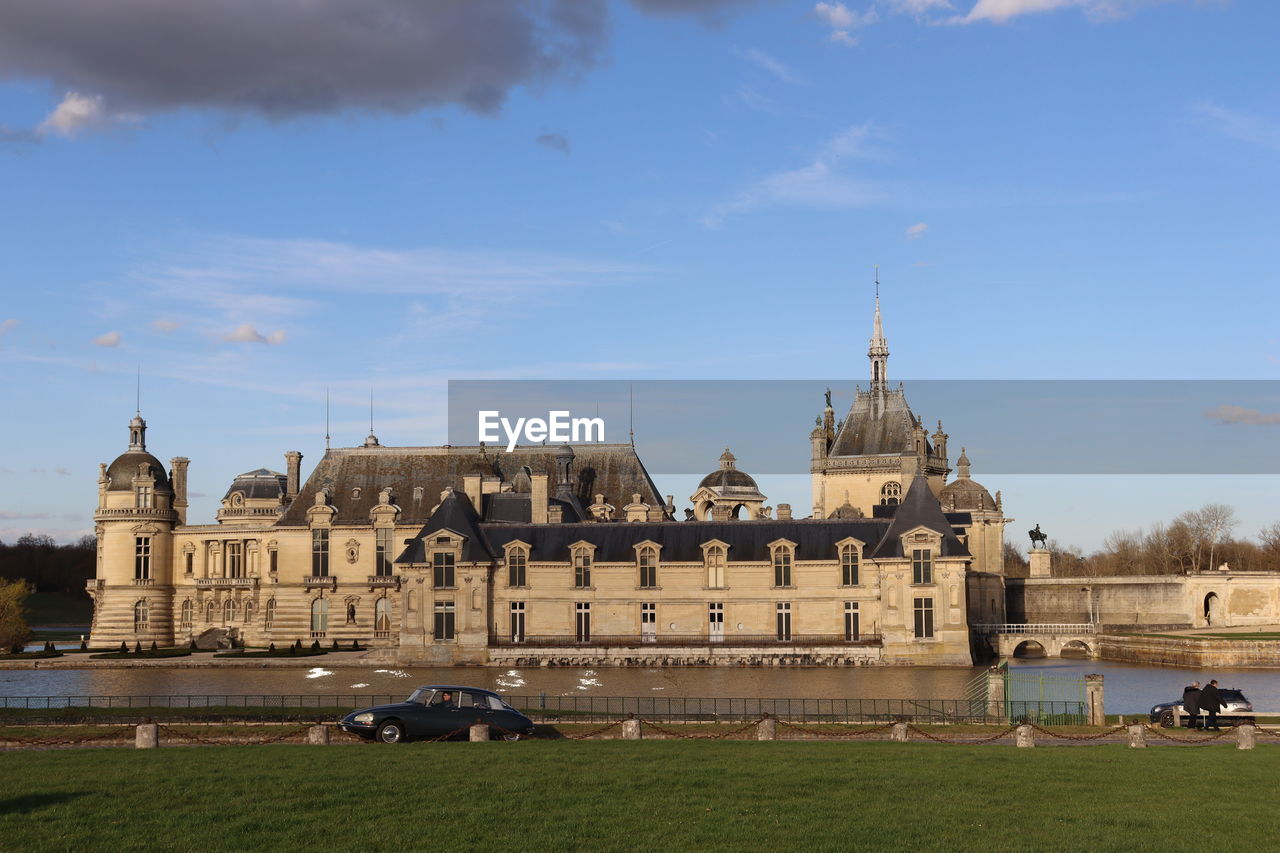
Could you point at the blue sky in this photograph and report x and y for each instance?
(1053, 189)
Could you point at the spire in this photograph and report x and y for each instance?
(372, 440)
(137, 426)
(878, 351)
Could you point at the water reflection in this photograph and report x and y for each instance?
(1129, 689)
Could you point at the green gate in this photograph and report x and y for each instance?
(1052, 699)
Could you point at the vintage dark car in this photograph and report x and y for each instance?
(435, 711)
(1236, 709)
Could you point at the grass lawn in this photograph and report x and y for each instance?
(56, 608)
(626, 795)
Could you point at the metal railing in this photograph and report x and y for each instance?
(1034, 628)
(600, 708)
(558, 641)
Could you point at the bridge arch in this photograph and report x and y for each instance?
(1075, 649)
(1029, 649)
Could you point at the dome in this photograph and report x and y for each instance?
(259, 484)
(965, 494)
(128, 465)
(846, 511)
(728, 477)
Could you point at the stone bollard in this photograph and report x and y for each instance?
(899, 732)
(631, 729)
(767, 729)
(1246, 736)
(318, 735)
(479, 732)
(1137, 736)
(1025, 736)
(1095, 705)
(147, 736)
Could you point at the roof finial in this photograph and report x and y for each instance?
(326, 419)
(631, 396)
(877, 285)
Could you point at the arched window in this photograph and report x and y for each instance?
(140, 615)
(229, 611)
(517, 565)
(248, 612)
(891, 493)
(782, 556)
(208, 612)
(582, 567)
(849, 564)
(320, 615)
(382, 614)
(186, 614)
(647, 560)
(714, 558)
(271, 611)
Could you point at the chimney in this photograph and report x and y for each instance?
(538, 498)
(784, 512)
(471, 485)
(293, 461)
(178, 474)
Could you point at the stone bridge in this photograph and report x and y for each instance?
(1013, 639)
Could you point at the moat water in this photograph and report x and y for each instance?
(1130, 689)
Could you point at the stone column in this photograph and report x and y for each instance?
(479, 732)
(1095, 710)
(318, 735)
(1137, 736)
(1246, 736)
(768, 729)
(631, 729)
(147, 736)
(899, 732)
(995, 692)
(1025, 736)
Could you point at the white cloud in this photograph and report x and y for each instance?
(917, 230)
(246, 333)
(1000, 11)
(774, 66)
(819, 184)
(916, 7)
(110, 339)
(1240, 415)
(1242, 127)
(75, 113)
(841, 19)
(8, 325)
(165, 325)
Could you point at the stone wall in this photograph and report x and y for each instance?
(1189, 651)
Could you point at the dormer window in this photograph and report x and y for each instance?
(355, 493)
(783, 555)
(582, 567)
(517, 565)
(144, 497)
(921, 565)
(849, 564)
(713, 556)
(443, 540)
(647, 561)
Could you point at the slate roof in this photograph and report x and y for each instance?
(455, 513)
(259, 483)
(919, 508)
(613, 470)
(877, 424)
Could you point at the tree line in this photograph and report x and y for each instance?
(1197, 540)
(48, 566)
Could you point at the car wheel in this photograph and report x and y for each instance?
(391, 732)
(1166, 719)
(510, 737)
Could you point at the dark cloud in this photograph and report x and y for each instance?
(554, 140)
(283, 58)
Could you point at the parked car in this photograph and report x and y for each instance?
(1236, 709)
(437, 710)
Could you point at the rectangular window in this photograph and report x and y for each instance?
(275, 560)
(517, 565)
(851, 632)
(235, 560)
(715, 621)
(782, 567)
(924, 618)
(649, 623)
(849, 565)
(189, 560)
(320, 552)
(517, 621)
(784, 620)
(715, 567)
(382, 551)
(582, 568)
(144, 497)
(582, 621)
(648, 559)
(142, 557)
(444, 621)
(921, 565)
(442, 570)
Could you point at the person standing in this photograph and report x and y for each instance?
(1211, 704)
(1191, 703)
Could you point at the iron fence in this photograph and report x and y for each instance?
(548, 708)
